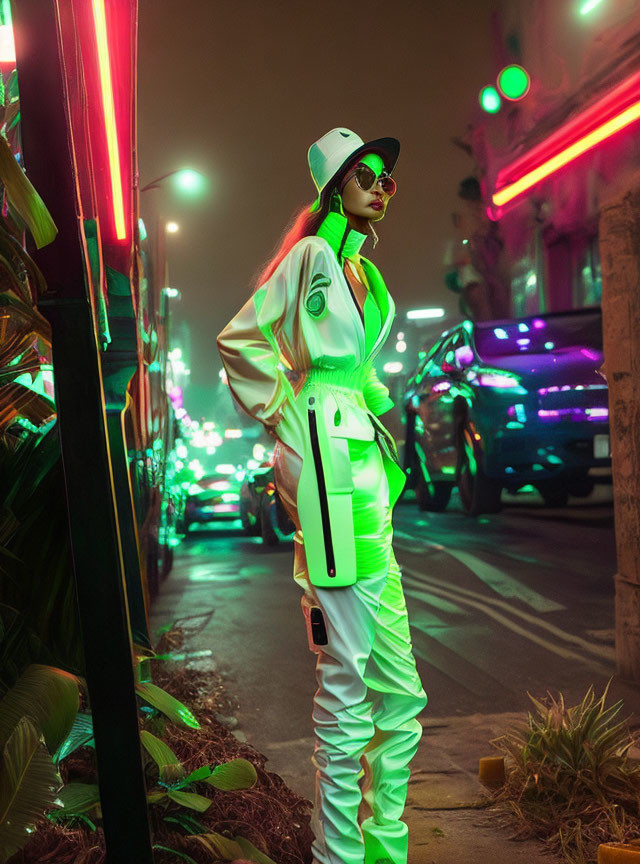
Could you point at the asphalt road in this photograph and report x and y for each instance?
(499, 605)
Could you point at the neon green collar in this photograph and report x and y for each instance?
(344, 240)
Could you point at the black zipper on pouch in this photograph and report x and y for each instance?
(322, 492)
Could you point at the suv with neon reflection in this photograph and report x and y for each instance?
(507, 404)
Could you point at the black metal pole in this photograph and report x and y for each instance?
(97, 557)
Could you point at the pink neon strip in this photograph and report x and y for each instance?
(568, 154)
(110, 125)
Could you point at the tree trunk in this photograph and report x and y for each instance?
(620, 254)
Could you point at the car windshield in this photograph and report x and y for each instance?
(539, 335)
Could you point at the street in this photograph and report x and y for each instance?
(499, 605)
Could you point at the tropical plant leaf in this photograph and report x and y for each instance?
(81, 735)
(24, 197)
(166, 704)
(157, 798)
(199, 774)
(190, 800)
(219, 845)
(182, 855)
(79, 797)
(29, 782)
(236, 774)
(189, 823)
(252, 853)
(168, 765)
(46, 694)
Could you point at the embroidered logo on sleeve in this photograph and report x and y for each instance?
(316, 302)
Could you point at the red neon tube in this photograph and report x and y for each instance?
(533, 167)
(110, 125)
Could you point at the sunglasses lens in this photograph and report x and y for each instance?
(365, 177)
(388, 185)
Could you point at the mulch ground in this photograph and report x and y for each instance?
(269, 815)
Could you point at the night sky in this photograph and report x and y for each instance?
(239, 89)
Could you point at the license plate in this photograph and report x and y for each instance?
(601, 448)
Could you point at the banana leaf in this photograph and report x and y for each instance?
(49, 697)
(81, 735)
(235, 774)
(34, 530)
(24, 197)
(28, 785)
(79, 797)
(166, 704)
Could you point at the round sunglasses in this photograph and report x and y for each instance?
(366, 179)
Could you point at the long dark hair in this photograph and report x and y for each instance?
(303, 224)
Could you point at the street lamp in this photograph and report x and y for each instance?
(172, 227)
(186, 179)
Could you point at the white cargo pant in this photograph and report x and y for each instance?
(369, 693)
(364, 715)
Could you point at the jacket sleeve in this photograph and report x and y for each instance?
(250, 343)
(376, 395)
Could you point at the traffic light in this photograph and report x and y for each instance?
(490, 100)
(514, 82)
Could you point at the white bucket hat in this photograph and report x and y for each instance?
(328, 154)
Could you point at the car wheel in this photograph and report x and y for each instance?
(433, 496)
(478, 493)
(555, 493)
(581, 486)
(268, 521)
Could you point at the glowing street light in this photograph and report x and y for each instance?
(189, 181)
(172, 227)
(185, 179)
(588, 6)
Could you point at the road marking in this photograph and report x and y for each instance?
(504, 584)
(606, 652)
(484, 605)
(499, 581)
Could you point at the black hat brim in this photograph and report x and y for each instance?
(387, 148)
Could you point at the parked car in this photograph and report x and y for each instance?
(214, 497)
(261, 509)
(502, 404)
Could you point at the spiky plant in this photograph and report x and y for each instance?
(570, 780)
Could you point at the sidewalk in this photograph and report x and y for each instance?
(448, 823)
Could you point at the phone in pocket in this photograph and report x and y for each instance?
(316, 628)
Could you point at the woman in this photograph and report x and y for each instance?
(299, 358)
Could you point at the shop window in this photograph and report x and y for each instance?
(574, 277)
